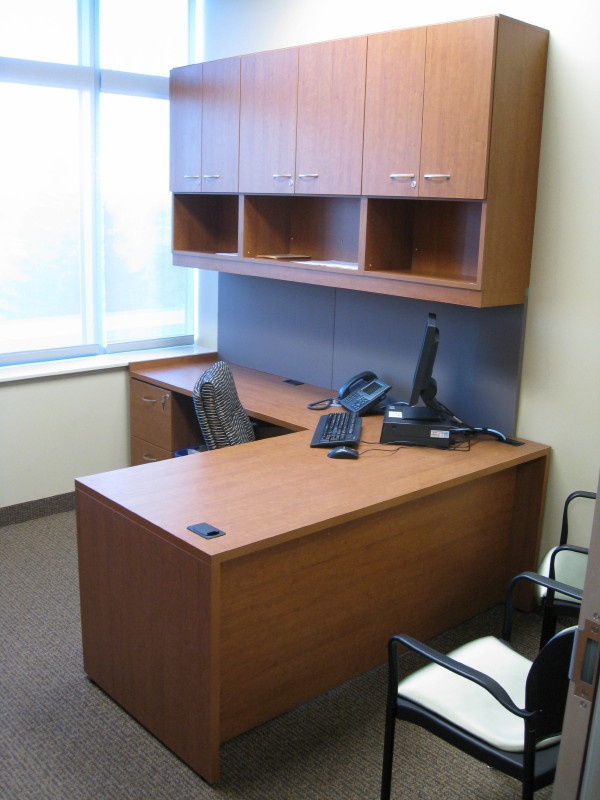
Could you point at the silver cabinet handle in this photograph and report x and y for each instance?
(308, 175)
(211, 176)
(149, 458)
(282, 175)
(399, 176)
(191, 177)
(152, 400)
(436, 177)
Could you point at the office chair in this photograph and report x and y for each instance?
(222, 418)
(486, 699)
(565, 563)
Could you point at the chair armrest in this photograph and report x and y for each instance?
(542, 580)
(551, 583)
(434, 656)
(564, 529)
(561, 548)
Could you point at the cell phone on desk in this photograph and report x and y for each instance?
(362, 392)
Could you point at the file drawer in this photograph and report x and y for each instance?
(161, 419)
(145, 453)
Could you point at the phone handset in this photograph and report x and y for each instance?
(362, 392)
(362, 377)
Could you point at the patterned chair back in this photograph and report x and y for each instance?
(223, 420)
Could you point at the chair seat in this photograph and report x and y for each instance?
(468, 705)
(475, 698)
(568, 567)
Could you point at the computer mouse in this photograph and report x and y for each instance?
(343, 452)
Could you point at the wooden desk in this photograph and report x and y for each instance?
(321, 562)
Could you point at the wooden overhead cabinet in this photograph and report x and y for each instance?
(457, 107)
(185, 93)
(416, 154)
(220, 125)
(204, 122)
(331, 98)
(394, 113)
(268, 122)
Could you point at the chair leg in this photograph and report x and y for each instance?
(528, 765)
(527, 791)
(388, 754)
(548, 625)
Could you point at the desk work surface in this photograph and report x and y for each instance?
(281, 488)
(280, 400)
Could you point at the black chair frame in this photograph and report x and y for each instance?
(546, 693)
(555, 607)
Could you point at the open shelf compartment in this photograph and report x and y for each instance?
(324, 230)
(424, 239)
(206, 223)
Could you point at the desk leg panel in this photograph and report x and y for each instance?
(312, 613)
(149, 638)
(528, 508)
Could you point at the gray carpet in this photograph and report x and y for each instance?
(61, 737)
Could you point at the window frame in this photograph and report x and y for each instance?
(88, 78)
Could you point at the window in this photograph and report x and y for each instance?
(85, 209)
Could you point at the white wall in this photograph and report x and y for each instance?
(53, 430)
(561, 375)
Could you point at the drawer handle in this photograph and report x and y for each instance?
(191, 177)
(308, 175)
(436, 177)
(149, 458)
(152, 400)
(211, 177)
(402, 176)
(280, 175)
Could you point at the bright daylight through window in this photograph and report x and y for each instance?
(85, 215)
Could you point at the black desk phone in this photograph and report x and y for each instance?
(362, 392)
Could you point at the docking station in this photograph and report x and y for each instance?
(418, 426)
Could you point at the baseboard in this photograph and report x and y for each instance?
(34, 509)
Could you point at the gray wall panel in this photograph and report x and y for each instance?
(478, 361)
(277, 326)
(323, 336)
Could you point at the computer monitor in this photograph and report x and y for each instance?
(424, 386)
(432, 413)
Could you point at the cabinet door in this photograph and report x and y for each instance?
(268, 122)
(459, 69)
(220, 125)
(393, 113)
(331, 95)
(185, 94)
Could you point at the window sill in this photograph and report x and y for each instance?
(73, 366)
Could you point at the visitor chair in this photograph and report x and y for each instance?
(566, 563)
(222, 418)
(486, 699)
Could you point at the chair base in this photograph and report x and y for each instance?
(508, 763)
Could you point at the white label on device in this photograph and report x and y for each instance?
(440, 434)
(395, 414)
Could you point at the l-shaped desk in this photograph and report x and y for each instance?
(322, 560)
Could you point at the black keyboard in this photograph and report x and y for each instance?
(337, 428)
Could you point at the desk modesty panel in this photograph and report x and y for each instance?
(321, 561)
